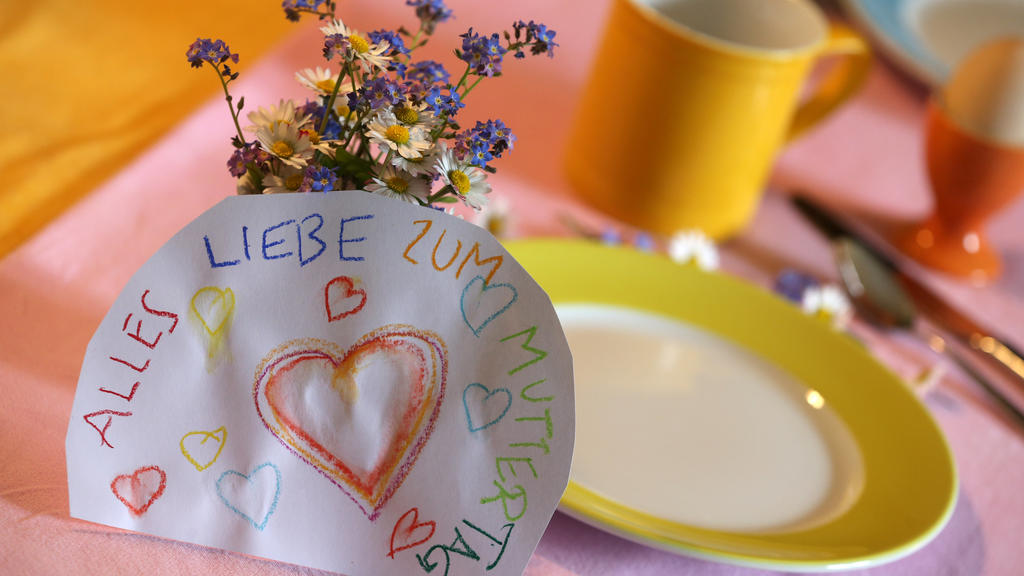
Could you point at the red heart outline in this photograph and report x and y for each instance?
(350, 291)
(407, 533)
(136, 485)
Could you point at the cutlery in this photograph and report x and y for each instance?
(880, 300)
(925, 300)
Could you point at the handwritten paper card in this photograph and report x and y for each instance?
(341, 381)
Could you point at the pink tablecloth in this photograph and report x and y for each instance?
(867, 160)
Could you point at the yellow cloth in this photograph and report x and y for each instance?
(88, 83)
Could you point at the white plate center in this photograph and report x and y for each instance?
(677, 422)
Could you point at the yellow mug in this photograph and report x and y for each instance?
(690, 100)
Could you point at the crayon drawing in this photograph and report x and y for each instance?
(359, 416)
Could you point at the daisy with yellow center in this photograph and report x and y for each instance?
(393, 183)
(325, 146)
(287, 143)
(346, 115)
(495, 218)
(827, 303)
(693, 248)
(368, 53)
(416, 166)
(283, 113)
(468, 181)
(288, 179)
(319, 80)
(410, 114)
(388, 133)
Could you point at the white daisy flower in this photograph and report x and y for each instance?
(411, 114)
(283, 113)
(393, 183)
(368, 53)
(288, 179)
(287, 143)
(325, 146)
(469, 182)
(693, 247)
(346, 115)
(387, 132)
(495, 217)
(246, 185)
(319, 80)
(417, 166)
(829, 303)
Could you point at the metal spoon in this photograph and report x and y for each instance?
(881, 300)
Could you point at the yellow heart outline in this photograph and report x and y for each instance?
(225, 295)
(222, 439)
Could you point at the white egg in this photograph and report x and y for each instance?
(986, 93)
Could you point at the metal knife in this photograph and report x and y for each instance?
(930, 304)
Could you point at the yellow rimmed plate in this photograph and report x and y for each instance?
(746, 483)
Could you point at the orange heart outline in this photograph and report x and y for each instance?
(371, 490)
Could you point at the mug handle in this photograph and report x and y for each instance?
(839, 83)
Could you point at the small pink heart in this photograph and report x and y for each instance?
(342, 298)
(140, 489)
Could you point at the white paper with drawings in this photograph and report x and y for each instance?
(340, 381)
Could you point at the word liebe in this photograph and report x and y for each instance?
(300, 239)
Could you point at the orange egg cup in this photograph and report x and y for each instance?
(972, 178)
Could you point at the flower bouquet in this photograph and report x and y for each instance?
(381, 121)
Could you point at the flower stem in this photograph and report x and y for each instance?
(470, 89)
(462, 79)
(334, 96)
(440, 194)
(231, 107)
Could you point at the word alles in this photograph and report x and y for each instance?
(132, 361)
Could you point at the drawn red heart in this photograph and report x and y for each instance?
(140, 489)
(406, 529)
(359, 416)
(342, 298)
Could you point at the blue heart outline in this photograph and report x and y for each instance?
(465, 405)
(462, 302)
(248, 478)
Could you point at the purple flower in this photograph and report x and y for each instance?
(611, 236)
(482, 53)
(537, 36)
(320, 178)
(376, 93)
(791, 284)
(393, 39)
(480, 155)
(484, 142)
(443, 103)
(429, 72)
(294, 8)
(214, 52)
(643, 241)
(335, 44)
(399, 68)
(430, 12)
(242, 158)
